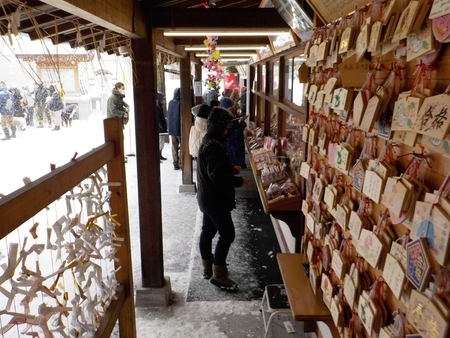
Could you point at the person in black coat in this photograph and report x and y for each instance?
(162, 124)
(216, 181)
(174, 127)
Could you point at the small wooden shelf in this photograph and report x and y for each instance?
(287, 209)
(305, 305)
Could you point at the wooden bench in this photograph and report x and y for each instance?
(305, 305)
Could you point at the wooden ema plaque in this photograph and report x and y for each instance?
(418, 264)
(354, 73)
(434, 117)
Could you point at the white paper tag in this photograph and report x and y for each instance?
(289, 327)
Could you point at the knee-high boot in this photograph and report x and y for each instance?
(7, 136)
(13, 130)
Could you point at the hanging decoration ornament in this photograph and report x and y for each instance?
(209, 4)
(213, 64)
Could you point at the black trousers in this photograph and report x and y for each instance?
(222, 223)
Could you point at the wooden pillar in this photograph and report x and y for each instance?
(147, 158)
(113, 130)
(198, 77)
(186, 123)
(251, 98)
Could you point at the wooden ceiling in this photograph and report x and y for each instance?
(200, 3)
(41, 20)
(58, 21)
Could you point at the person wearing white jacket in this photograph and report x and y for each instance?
(198, 129)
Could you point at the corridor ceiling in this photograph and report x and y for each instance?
(62, 22)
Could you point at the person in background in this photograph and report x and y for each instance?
(19, 112)
(116, 106)
(243, 102)
(230, 141)
(227, 93)
(55, 105)
(209, 96)
(6, 112)
(162, 124)
(40, 98)
(198, 129)
(235, 95)
(174, 127)
(214, 103)
(67, 115)
(216, 180)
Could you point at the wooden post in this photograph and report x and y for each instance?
(186, 122)
(113, 129)
(147, 158)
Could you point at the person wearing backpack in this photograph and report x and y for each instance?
(6, 112)
(55, 105)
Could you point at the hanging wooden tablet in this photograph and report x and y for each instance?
(388, 11)
(362, 42)
(339, 264)
(306, 207)
(306, 87)
(369, 247)
(323, 50)
(341, 98)
(433, 223)
(373, 185)
(406, 21)
(366, 314)
(441, 28)
(337, 313)
(305, 133)
(375, 35)
(312, 93)
(384, 123)
(312, 59)
(355, 224)
(433, 118)
(436, 144)
(359, 106)
(420, 42)
(394, 195)
(353, 73)
(327, 289)
(329, 197)
(330, 85)
(318, 190)
(310, 221)
(439, 8)
(405, 114)
(398, 251)
(346, 40)
(425, 317)
(359, 171)
(418, 263)
(312, 137)
(305, 169)
(406, 137)
(344, 156)
(394, 275)
(371, 113)
(342, 215)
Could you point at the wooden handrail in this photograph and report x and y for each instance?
(22, 204)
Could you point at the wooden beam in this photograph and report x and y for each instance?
(14, 208)
(114, 15)
(201, 18)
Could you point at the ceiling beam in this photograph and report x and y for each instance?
(218, 18)
(117, 16)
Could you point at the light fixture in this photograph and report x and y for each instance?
(225, 47)
(222, 55)
(235, 59)
(225, 33)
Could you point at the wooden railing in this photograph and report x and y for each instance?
(19, 206)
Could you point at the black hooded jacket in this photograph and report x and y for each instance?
(215, 177)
